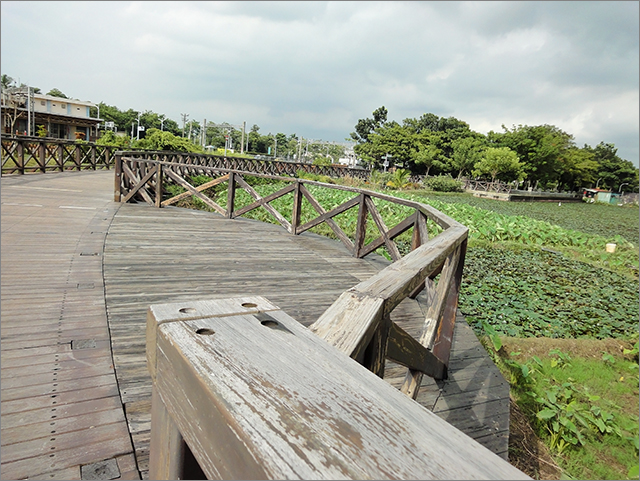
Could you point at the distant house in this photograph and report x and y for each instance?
(601, 195)
(62, 118)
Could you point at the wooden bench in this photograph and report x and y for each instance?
(243, 391)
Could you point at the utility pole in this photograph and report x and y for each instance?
(162, 122)
(29, 110)
(184, 121)
(138, 129)
(203, 133)
(244, 126)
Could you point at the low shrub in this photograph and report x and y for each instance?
(443, 183)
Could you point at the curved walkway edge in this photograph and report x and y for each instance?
(61, 411)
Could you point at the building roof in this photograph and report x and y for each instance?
(63, 100)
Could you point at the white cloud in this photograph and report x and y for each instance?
(315, 68)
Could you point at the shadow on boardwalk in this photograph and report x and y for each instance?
(166, 255)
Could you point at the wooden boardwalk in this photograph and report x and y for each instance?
(170, 255)
(62, 417)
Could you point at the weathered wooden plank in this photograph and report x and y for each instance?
(248, 430)
(363, 314)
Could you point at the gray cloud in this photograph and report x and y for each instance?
(315, 68)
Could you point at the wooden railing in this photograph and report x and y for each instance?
(22, 155)
(486, 186)
(243, 391)
(359, 322)
(268, 167)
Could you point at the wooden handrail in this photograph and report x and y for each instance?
(22, 155)
(270, 167)
(247, 392)
(359, 323)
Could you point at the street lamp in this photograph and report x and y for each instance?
(385, 164)
(598, 182)
(620, 189)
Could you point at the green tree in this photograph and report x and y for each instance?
(56, 93)
(6, 81)
(467, 151)
(579, 169)
(612, 170)
(542, 148)
(428, 155)
(362, 136)
(443, 132)
(110, 138)
(500, 162)
(162, 140)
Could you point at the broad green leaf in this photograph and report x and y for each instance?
(546, 414)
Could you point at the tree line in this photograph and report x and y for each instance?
(544, 155)
(161, 133)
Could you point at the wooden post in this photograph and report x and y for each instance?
(361, 227)
(420, 236)
(297, 206)
(231, 194)
(167, 448)
(255, 395)
(60, 159)
(93, 156)
(118, 177)
(442, 343)
(42, 154)
(20, 156)
(78, 156)
(158, 185)
(376, 353)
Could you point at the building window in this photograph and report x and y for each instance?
(64, 106)
(59, 131)
(42, 102)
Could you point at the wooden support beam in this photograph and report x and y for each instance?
(195, 192)
(392, 234)
(384, 230)
(140, 185)
(329, 221)
(405, 350)
(200, 188)
(264, 203)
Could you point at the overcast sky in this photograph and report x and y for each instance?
(315, 68)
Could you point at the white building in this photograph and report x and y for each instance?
(23, 112)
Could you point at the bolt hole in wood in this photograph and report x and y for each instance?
(205, 331)
(187, 310)
(249, 305)
(271, 324)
